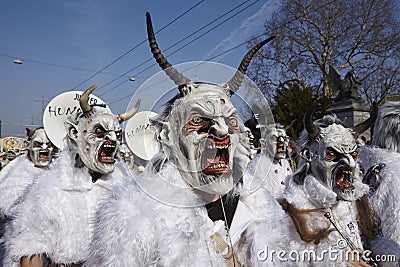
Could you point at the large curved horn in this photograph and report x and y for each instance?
(237, 79)
(129, 114)
(311, 128)
(172, 73)
(362, 127)
(83, 101)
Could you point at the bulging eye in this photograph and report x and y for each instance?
(330, 155)
(119, 135)
(354, 155)
(232, 121)
(100, 133)
(196, 119)
(36, 144)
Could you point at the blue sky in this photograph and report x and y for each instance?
(63, 43)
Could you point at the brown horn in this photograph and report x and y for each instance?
(172, 73)
(309, 125)
(362, 127)
(83, 101)
(237, 79)
(129, 114)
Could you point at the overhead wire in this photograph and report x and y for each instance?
(139, 44)
(56, 65)
(180, 41)
(235, 47)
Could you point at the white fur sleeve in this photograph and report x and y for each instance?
(14, 183)
(31, 230)
(123, 233)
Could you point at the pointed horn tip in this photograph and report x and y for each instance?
(363, 126)
(83, 101)
(129, 114)
(309, 125)
(148, 20)
(91, 89)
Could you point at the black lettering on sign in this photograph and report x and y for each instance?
(61, 111)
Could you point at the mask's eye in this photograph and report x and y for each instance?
(232, 122)
(36, 144)
(99, 132)
(119, 135)
(330, 155)
(196, 119)
(354, 155)
(49, 145)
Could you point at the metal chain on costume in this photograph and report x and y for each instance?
(347, 239)
(229, 258)
(220, 244)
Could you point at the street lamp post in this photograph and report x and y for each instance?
(43, 101)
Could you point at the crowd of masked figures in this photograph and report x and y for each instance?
(216, 194)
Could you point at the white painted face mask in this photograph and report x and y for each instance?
(40, 148)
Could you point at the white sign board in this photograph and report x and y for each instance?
(140, 135)
(58, 110)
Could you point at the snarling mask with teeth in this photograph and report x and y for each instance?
(40, 148)
(277, 141)
(329, 151)
(95, 134)
(202, 133)
(200, 129)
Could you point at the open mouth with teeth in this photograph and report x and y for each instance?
(280, 147)
(106, 152)
(343, 177)
(44, 155)
(215, 157)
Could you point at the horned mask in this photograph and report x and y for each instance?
(95, 134)
(201, 131)
(329, 152)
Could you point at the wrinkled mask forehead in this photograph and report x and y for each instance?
(275, 132)
(101, 117)
(342, 139)
(40, 136)
(207, 99)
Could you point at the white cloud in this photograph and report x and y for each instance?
(249, 28)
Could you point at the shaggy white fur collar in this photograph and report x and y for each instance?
(163, 234)
(56, 216)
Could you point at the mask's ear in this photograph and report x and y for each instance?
(304, 163)
(71, 129)
(163, 131)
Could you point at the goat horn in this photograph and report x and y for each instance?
(172, 73)
(237, 79)
(84, 100)
(309, 125)
(362, 127)
(129, 114)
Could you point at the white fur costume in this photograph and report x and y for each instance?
(135, 229)
(17, 177)
(56, 216)
(273, 173)
(386, 199)
(14, 183)
(313, 195)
